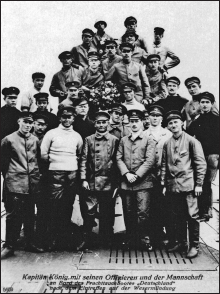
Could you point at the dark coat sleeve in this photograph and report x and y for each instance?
(5, 155)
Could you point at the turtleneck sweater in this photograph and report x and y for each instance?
(61, 147)
(134, 104)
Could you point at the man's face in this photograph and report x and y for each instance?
(67, 120)
(155, 119)
(111, 50)
(66, 61)
(146, 121)
(136, 124)
(130, 39)
(128, 95)
(100, 26)
(25, 125)
(126, 53)
(158, 37)
(125, 120)
(11, 100)
(153, 64)
(116, 116)
(101, 124)
(87, 39)
(38, 83)
(194, 89)
(82, 109)
(42, 105)
(206, 105)
(73, 92)
(94, 63)
(40, 126)
(175, 125)
(172, 88)
(131, 25)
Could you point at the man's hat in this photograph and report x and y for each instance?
(93, 54)
(41, 116)
(111, 42)
(159, 30)
(26, 115)
(78, 101)
(129, 20)
(38, 75)
(88, 32)
(153, 56)
(100, 114)
(208, 96)
(75, 84)
(173, 114)
(10, 91)
(135, 113)
(65, 54)
(41, 97)
(128, 33)
(66, 110)
(156, 109)
(174, 80)
(98, 21)
(129, 86)
(125, 44)
(192, 80)
(119, 108)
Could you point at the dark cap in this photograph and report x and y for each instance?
(135, 113)
(119, 108)
(125, 44)
(174, 80)
(66, 110)
(41, 116)
(26, 115)
(159, 30)
(173, 114)
(75, 84)
(10, 91)
(208, 96)
(65, 54)
(41, 96)
(129, 20)
(111, 42)
(88, 32)
(192, 80)
(153, 56)
(129, 86)
(38, 75)
(156, 109)
(93, 54)
(78, 101)
(100, 114)
(98, 21)
(128, 33)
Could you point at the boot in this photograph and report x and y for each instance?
(193, 252)
(84, 242)
(7, 252)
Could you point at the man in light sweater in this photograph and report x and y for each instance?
(61, 147)
(130, 103)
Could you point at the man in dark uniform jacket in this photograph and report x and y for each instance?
(42, 102)
(9, 112)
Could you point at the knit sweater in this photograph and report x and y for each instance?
(61, 147)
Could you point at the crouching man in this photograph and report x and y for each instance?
(182, 173)
(135, 160)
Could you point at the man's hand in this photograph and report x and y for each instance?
(164, 190)
(198, 191)
(85, 185)
(131, 177)
(62, 94)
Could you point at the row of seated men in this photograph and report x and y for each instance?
(110, 149)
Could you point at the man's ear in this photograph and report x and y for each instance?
(200, 86)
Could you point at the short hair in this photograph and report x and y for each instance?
(38, 75)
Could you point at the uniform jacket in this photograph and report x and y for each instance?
(121, 73)
(157, 85)
(20, 169)
(53, 121)
(99, 41)
(183, 164)
(90, 79)
(140, 42)
(136, 156)
(84, 127)
(80, 54)
(139, 55)
(98, 164)
(108, 63)
(119, 131)
(173, 103)
(9, 120)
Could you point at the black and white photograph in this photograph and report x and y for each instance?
(109, 147)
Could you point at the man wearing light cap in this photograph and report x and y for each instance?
(80, 53)
(72, 94)
(206, 129)
(98, 173)
(9, 113)
(20, 153)
(61, 148)
(182, 174)
(163, 51)
(135, 160)
(129, 71)
(128, 92)
(112, 57)
(70, 72)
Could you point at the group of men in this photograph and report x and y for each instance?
(139, 149)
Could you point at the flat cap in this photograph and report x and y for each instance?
(41, 96)
(41, 116)
(128, 33)
(153, 56)
(79, 100)
(101, 114)
(75, 84)
(88, 32)
(192, 80)
(135, 113)
(98, 21)
(119, 108)
(174, 80)
(38, 75)
(10, 91)
(156, 109)
(66, 110)
(207, 95)
(129, 20)
(93, 54)
(111, 42)
(27, 115)
(128, 86)
(65, 54)
(173, 114)
(125, 44)
(159, 30)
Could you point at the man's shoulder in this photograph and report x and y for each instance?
(113, 137)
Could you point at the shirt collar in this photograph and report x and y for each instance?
(140, 135)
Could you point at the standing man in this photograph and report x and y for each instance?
(42, 103)
(135, 160)
(61, 148)
(80, 53)
(40, 126)
(70, 72)
(182, 174)
(112, 57)
(146, 121)
(128, 92)
(9, 113)
(163, 51)
(99, 179)
(20, 153)
(206, 129)
(129, 71)
(73, 89)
